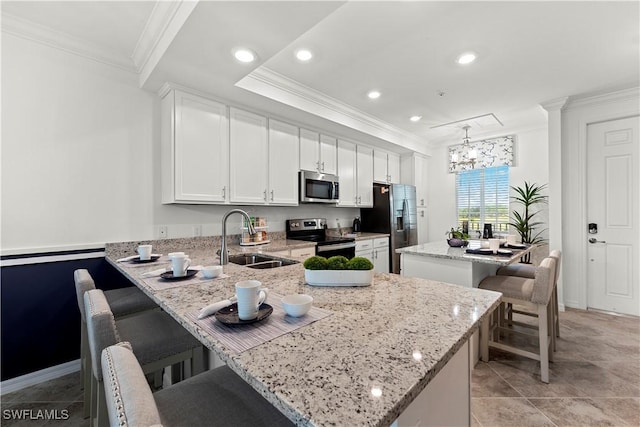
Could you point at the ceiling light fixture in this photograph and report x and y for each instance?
(374, 94)
(466, 58)
(469, 155)
(415, 118)
(244, 55)
(304, 55)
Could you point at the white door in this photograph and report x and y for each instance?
(613, 191)
(364, 172)
(328, 154)
(309, 150)
(347, 173)
(249, 156)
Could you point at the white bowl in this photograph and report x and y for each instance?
(297, 305)
(212, 271)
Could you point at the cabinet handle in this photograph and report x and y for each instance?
(224, 192)
(359, 200)
(421, 202)
(322, 166)
(318, 166)
(422, 214)
(272, 195)
(265, 195)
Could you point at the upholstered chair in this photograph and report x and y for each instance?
(157, 340)
(123, 302)
(215, 398)
(535, 295)
(529, 271)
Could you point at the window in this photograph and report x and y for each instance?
(483, 198)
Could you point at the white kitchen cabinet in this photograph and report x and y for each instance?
(414, 172)
(364, 181)
(283, 164)
(347, 173)
(422, 223)
(386, 167)
(318, 152)
(375, 250)
(194, 149)
(249, 157)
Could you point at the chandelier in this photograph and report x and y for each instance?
(469, 155)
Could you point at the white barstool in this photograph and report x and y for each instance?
(157, 340)
(123, 302)
(215, 398)
(535, 295)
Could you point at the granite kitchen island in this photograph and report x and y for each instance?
(438, 261)
(383, 347)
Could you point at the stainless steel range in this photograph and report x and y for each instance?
(315, 230)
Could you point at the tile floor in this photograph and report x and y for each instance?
(594, 381)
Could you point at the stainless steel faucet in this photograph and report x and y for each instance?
(224, 255)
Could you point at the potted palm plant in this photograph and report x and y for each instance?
(525, 223)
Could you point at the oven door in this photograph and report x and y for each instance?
(318, 187)
(347, 250)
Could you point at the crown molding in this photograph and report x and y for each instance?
(271, 84)
(627, 94)
(44, 35)
(164, 24)
(555, 104)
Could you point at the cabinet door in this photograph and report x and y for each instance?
(380, 166)
(423, 235)
(309, 151)
(201, 144)
(283, 163)
(364, 160)
(421, 180)
(381, 260)
(249, 157)
(393, 168)
(347, 173)
(328, 154)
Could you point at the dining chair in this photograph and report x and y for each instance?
(218, 397)
(123, 302)
(528, 271)
(157, 340)
(535, 295)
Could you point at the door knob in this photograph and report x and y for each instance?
(594, 240)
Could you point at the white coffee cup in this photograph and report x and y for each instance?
(175, 254)
(180, 264)
(511, 238)
(250, 294)
(494, 245)
(145, 252)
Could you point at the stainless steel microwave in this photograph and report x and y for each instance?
(318, 187)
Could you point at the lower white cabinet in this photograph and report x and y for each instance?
(375, 250)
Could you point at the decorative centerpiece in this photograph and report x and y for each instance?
(338, 271)
(457, 238)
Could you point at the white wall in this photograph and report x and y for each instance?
(80, 158)
(530, 164)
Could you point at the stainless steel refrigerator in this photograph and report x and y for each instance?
(394, 213)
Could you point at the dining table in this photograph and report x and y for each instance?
(375, 355)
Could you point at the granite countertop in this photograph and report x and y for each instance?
(441, 249)
(323, 373)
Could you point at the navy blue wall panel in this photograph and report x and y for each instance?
(40, 319)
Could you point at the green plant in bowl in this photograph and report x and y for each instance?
(359, 263)
(457, 238)
(316, 263)
(337, 262)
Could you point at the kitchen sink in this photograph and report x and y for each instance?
(260, 261)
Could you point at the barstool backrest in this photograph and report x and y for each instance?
(128, 396)
(543, 282)
(101, 327)
(84, 282)
(557, 255)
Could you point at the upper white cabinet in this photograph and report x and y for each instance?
(414, 172)
(386, 167)
(347, 173)
(318, 152)
(283, 164)
(194, 149)
(364, 163)
(249, 157)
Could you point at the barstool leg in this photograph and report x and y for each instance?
(543, 343)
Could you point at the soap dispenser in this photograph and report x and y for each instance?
(356, 225)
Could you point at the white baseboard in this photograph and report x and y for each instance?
(18, 383)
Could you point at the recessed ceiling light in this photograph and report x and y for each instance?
(304, 55)
(415, 118)
(466, 58)
(374, 94)
(244, 55)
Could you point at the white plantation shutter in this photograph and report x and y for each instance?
(483, 198)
